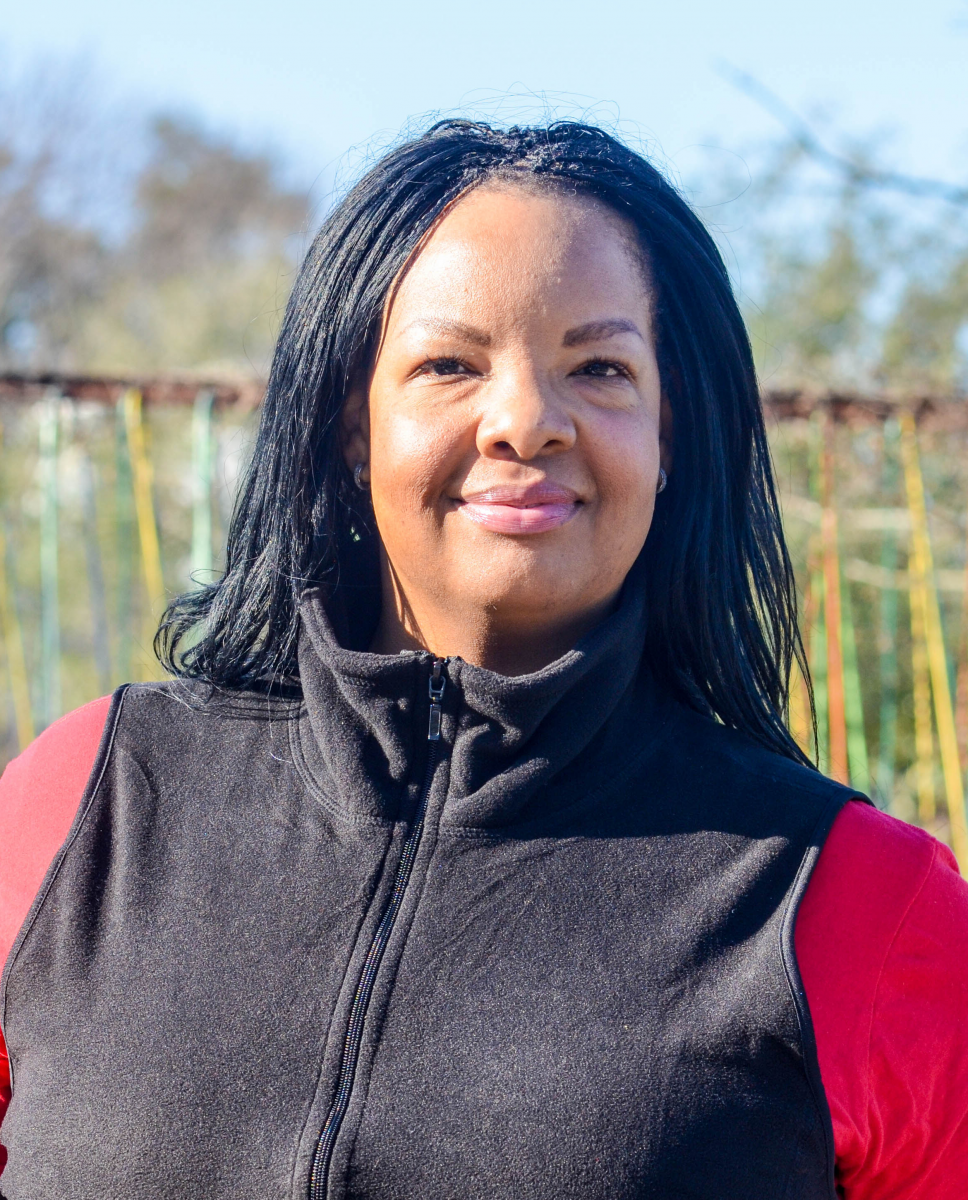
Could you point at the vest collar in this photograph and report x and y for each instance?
(363, 731)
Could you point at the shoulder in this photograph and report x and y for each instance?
(731, 750)
(186, 725)
(767, 786)
(882, 943)
(872, 871)
(64, 747)
(879, 863)
(40, 791)
(155, 724)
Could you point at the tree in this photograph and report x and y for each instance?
(855, 274)
(58, 167)
(132, 245)
(204, 274)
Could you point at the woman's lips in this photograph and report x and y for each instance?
(534, 509)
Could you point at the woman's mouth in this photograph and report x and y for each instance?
(535, 508)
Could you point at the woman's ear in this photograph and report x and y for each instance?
(665, 434)
(355, 432)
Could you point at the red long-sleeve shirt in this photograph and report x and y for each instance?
(881, 939)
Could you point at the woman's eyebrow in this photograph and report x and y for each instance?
(455, 328)
(597, 331)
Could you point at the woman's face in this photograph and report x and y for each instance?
(512, 437)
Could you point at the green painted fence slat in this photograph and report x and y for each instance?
(202, 462)
(124, 532)
(853, 697)
(50, 706)
(95, 576)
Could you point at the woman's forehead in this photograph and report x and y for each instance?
(505, 246)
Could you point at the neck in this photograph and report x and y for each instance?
(508, 644)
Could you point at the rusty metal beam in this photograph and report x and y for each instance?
(243, 393)
(781, 404)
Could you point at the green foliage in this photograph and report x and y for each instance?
(812, 309)
(923, 345)
(843, 285)
(217, 318)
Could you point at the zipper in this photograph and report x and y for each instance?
(318, 1176)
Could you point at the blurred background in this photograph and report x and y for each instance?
(162, 169)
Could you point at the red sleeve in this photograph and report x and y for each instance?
(882, 943)
(39, 794)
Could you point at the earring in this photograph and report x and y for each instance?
(358, 477)
(663, 480)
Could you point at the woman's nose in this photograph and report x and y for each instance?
(524, 418)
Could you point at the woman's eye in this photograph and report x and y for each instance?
(600, 368)
(443, 366)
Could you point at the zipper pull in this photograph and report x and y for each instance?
(436, 685)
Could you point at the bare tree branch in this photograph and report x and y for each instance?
(859, 174)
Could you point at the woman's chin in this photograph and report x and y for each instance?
(526, 595)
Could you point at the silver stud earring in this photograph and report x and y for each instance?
(663, 480)
(358, 477)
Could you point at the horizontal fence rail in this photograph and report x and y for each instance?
(116, 494)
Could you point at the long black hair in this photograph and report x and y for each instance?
(722, 629)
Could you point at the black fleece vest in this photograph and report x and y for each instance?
(293, 948)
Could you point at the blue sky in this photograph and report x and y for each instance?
(316, 79)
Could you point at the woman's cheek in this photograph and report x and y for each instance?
(402, 458)
(626, 468)
(415, 469)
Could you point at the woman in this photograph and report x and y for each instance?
(462, 857)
